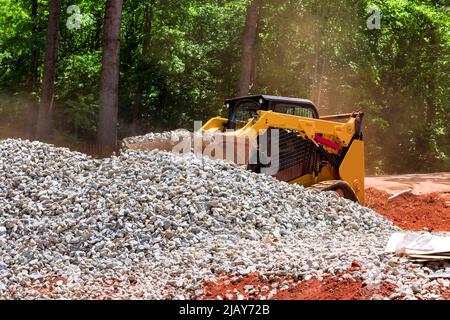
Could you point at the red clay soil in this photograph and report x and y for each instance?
(429, 212)
(333, 289)
(330, 288)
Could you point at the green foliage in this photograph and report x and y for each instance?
(185, 79)
(15, 39)
(77, 92)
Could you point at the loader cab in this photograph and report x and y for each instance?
(241, 110)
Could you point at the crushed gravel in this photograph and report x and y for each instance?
(157, 225)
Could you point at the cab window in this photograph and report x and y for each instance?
(243, 113)
(293, 110)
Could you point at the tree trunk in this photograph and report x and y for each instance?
(137, 106)
(319, 87)
(148, 21)
(248, 41)
(109, 85)
(316, 67)
(431, 106)
(35, 49)
(319, 66)
(33, 106)
(431, 103)
(98, 30)
(44, 125)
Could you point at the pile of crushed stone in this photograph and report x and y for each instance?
(158, 225)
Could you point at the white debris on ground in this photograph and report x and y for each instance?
(156, 225)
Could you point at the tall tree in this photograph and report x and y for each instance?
(109, 86)
(147, 30)
(248, 42)
(35, 48)
(32, 104)
(44, 125)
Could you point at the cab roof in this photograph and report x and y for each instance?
(268, 98)
(273, 98)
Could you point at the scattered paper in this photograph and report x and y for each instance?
(421, 247)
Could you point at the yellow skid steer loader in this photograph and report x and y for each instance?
(325, 153)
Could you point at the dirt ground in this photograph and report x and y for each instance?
(340, 287)
(425, 208)
(419, 183)
(425, 212)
